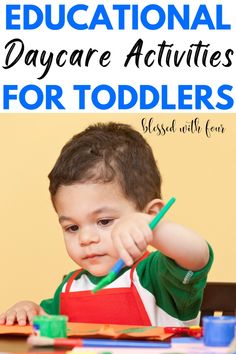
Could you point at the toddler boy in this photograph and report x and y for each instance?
(106, 188)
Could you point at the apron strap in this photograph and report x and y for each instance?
(71, 279)
(146, 254)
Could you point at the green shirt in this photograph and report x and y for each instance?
(171, 295)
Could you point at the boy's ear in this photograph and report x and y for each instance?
(153, 207)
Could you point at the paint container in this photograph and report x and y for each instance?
(50, 326)
(218, 331)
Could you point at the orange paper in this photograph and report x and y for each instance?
(98, 331)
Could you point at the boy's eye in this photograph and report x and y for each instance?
(72, 228)
(105, 222)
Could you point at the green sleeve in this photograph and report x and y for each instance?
(177, 291)
(52, 306)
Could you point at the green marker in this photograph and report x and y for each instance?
(120, 263)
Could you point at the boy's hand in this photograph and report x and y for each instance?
(21, 313)
(131, 236)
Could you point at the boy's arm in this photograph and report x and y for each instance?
(132, 234)
(181, 244)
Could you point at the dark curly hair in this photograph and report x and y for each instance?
(105, 152)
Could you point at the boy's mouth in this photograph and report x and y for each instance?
(93, 256)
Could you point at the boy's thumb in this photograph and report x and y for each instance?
(42, 312)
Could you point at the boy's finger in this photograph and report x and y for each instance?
(42, 312)
(131, 247)
(31, 313)
(123, 253)
(10, 318)
(140, 239)
(126, 257)
(2, 318)
(21, 317)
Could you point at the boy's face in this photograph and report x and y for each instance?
(87, 213)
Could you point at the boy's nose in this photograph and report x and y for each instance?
(88, 236)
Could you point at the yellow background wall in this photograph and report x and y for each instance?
(199, 171)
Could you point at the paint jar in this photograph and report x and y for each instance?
(218, 331)
(50, 326)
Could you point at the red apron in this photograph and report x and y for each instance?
(113, 306)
